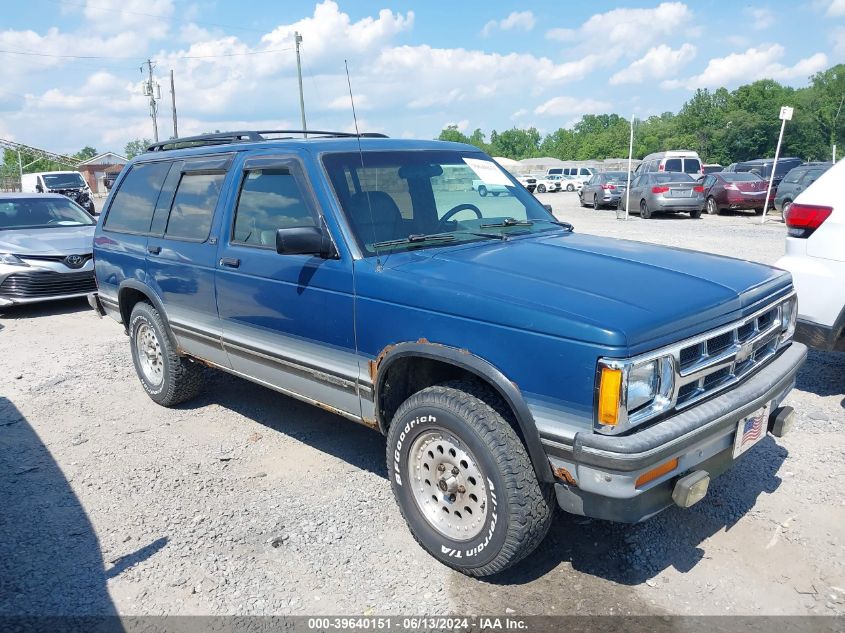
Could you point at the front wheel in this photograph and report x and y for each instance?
(570, 188)
(541, 188)
(168, 378)
(464, 482)
(695, 214)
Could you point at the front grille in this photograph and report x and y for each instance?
(61, 259)
(45, 284)
(711, 362)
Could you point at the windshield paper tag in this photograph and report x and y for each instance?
(488, 171)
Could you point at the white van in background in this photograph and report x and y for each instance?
(582, 174)
(68, 183)
(683, 161)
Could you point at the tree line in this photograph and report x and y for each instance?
(722, 126)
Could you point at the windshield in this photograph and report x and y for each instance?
(41, 213)
(63, 181)
(420, 199)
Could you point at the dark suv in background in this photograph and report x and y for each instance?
(796, 181)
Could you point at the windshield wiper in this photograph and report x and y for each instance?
(507, 222)
(569, 227)
(514, 222)
(417, 238)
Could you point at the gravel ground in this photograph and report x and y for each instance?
(248, 502)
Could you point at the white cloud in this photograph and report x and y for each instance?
(521, 20)
(462, 125)
(636, 29)
(836, 8)
(565, 105)
(753, 64)
(659, 62)
(761, 18)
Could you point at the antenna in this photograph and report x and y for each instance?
(361, 152)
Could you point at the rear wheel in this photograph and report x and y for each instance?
(482, 190)
(596, 204)
(464, 482)
(495, 193)
(712, 207)
(645, 212)
(166, 377)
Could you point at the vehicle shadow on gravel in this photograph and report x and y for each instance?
(50, 558)
(47, 308)
(325, 431)
(823, 374)
(634, 554)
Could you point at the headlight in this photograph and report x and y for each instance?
(642, 384)
(789, 316)
(11, 260)
(631, 392)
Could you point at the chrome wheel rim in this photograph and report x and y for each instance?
(448, 486)
(711, 207)
(149, 354)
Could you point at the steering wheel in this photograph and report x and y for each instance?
(457, 209)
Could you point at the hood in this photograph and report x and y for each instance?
(611, 292)
(66, 240)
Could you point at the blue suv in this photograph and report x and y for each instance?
(513, 364)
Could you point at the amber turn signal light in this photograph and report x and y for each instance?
(659, 471)
(609, 390)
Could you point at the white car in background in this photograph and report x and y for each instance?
(815, 256)
(567, 183)
(529, 182)
(547, 185)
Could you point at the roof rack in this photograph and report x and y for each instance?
(249, 136)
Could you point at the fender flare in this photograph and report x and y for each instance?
(487, 372)
(144, 289)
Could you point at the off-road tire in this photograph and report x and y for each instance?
(520, 508)
(181, 377)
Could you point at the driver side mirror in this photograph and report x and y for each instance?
(303, 240)
(39, 188)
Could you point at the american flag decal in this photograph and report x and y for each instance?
(752, 431)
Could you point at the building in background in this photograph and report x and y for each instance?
(94, 169)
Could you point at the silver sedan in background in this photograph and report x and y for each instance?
(664, 192)
(46, 241)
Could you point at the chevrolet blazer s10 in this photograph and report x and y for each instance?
(512, 363)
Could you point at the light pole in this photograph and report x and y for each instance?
(785, 115)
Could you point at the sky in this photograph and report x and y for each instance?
(70, 70)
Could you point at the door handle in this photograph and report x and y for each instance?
(230, 262)
(154, 250)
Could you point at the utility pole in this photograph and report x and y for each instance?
(150, 89)
(173, 100)
(298, 39)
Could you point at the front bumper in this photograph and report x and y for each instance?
(677, 204)
(34, 284)
(606, 468)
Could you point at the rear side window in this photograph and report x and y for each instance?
(270, 199)
(193, 206)
(672, 164)
(132, 209)
(692, 165)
